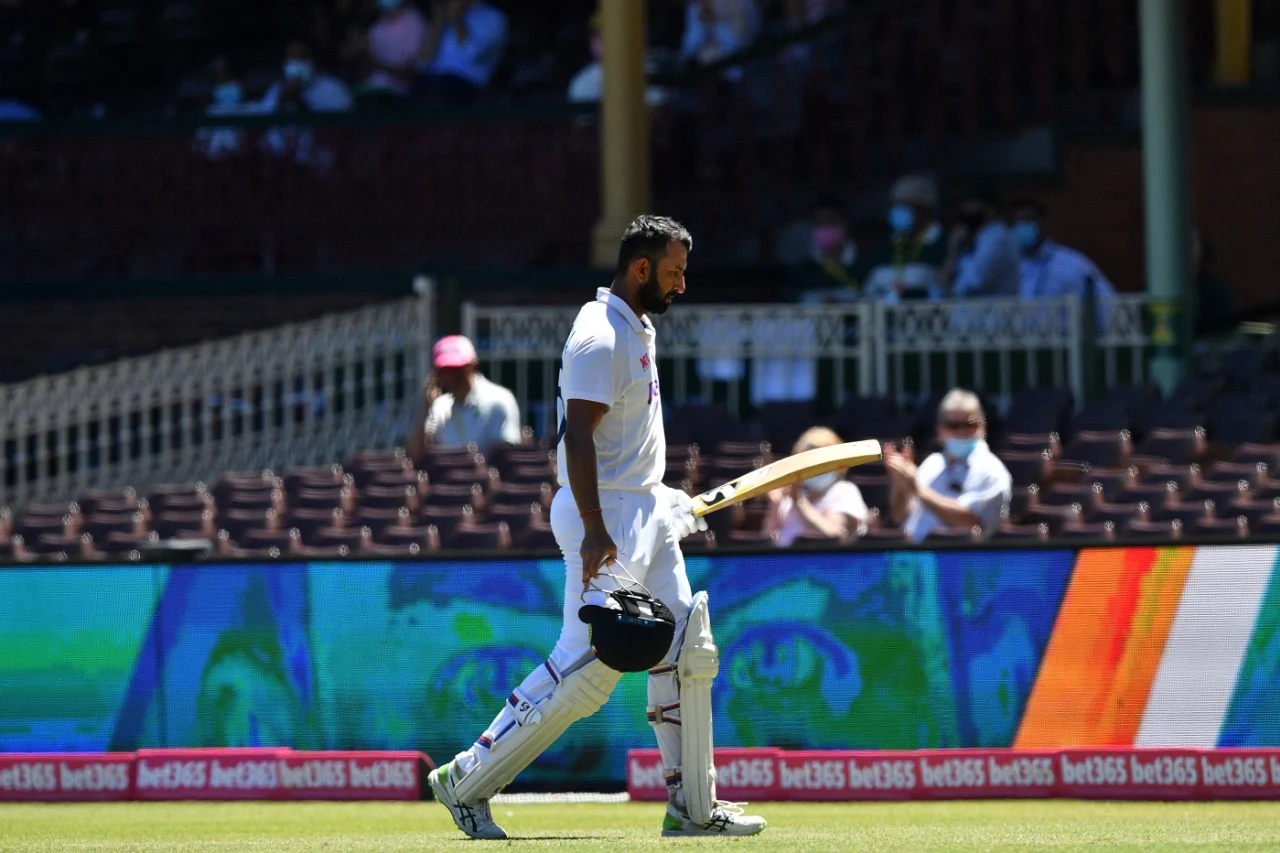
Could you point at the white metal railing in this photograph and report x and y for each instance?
(906, 352)
(299, 394)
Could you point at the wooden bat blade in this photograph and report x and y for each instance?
(786, 471)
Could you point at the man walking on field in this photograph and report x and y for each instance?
(615, 511)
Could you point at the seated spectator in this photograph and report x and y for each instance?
(587, 86)
(391, 46)
(906, 266)
(1049, 268)
(226, 98)
(301, 89)
(714, 29)
(825, 505)
(462, 49)
(461, 406)
(982, 259)
(827, 274)
(963, 486)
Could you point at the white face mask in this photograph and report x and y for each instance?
(819, 484)
(297, 69)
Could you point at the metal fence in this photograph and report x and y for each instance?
(747, 355)
(305, 393)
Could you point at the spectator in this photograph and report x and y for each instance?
(391, 47)
(962, 486)
(301, 89)
(587, 86)
(826, 505)
(462, 49)
(714, 29)
(827, 275)
(461, 406)
(906, 266)
(982, 259)
(226, 98)
(1048, 268)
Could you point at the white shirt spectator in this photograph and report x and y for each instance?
(733, 25)
(981, 484)
(489, 415)
(587, 87)
(843, 498)
(477, 58)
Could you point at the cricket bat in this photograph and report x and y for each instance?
(785, 472)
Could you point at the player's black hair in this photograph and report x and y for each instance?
(1026, 202)
(648, 237)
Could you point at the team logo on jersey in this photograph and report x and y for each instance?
(644, 361)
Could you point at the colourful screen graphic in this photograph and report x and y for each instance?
(874, 650)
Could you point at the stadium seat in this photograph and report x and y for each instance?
(1027, 467)
(1007, 532)
(313, 477)
(1183, 476)
(1185, 511)
(1101, 416)
(1102, 531)
(187, 499)
(1104, 449)
(260, 499)
(446, 518)
(699, 543)
(782, 423)
(1153, 530)
(1179, 446)
(116, 544)
(1113, 480)
(93, 500)
(1267, 525)
(457, 495)
(1254, 452)
(237, 521)
(744, 449)
(524, 493)
(875, 490)
(14, 548)
(354, 539)
(1086, 494)
(287, 540)
(1031, 442)
(1119, 514)
(99, 524)
(1036, 410)
(198, 524)
(1238, 427)
(389, 497)
(426, 537)
(1222, 493)
(333, 496)
(1155, 494)
(943, 535)
(518, 518)
(1236, 527)
(495, 536)
(529, 474)
(757, 540)
(539, 537)
(378, 519)
(1230, 472)
(1054, 516)
(62, 545)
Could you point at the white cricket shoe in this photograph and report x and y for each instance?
(474, 819)
(726, 819)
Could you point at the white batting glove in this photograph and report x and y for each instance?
(682, 517)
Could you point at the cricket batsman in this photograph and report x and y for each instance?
(627, 602)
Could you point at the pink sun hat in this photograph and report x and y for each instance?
(454, 351)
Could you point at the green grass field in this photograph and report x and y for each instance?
(383, 827)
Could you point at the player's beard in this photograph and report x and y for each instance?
(650, 296)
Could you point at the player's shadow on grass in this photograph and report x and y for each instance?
(585, 837)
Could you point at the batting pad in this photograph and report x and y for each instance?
(699, 661)
(580, 694)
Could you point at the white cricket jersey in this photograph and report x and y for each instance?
(610, 358)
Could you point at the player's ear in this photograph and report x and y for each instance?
(640, 267)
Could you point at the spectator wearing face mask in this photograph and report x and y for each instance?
(391, 46)
(304, 88)
(462, 50)
(827, 274)
(1048, 267)
(714, 29)
(823, 506)
(906, 265)
(226, 98)
(982, 259)
(962, 486)
(301, 89)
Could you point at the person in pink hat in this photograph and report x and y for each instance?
(460, 406)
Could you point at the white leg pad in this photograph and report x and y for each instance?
(698, 664)
(534, 727)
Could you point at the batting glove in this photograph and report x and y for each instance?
(682, 517)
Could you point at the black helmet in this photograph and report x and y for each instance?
(632, 631)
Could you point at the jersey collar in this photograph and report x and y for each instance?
(616, 302)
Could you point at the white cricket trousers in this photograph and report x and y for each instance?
(640, 525)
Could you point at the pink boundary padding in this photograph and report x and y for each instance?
(214, 774)
(1108, 773)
